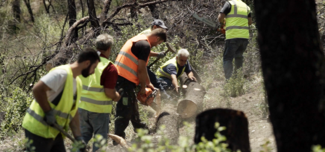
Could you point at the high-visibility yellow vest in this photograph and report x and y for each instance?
(93, 97)
(145, 32)
(237, 20)
(161, 73)
(64, 111)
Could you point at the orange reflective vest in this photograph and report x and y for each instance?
(127, 63)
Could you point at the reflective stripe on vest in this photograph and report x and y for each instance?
(93, 97)
(127, 63)
(237, 20)
(161, 73)
(64, 111)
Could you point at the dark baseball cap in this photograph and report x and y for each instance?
(159, 23)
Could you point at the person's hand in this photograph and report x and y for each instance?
(82, 144)
(50, 117)
(161, 55)
(176, 89)
(192, 77)
(150, 85)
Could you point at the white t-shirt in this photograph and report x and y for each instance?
(56, 81)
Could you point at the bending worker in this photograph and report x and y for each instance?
(98, 94)
(170, 71)
(56, 103)
(131, 65)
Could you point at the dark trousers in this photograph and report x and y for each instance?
(157, 83)
(44, 144)
(234, 49)
(127, 108)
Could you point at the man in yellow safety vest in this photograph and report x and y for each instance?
(98, 94)
(238, 18)
(57, 96)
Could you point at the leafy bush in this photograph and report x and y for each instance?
(15, 108)
(145, 143)
(235, 85)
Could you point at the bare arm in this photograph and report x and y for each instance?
(250, 21)
(191, 76)
(113, 94)
(143, 75)
(174, 82)
(221, 18)
(154, 54)
(75, 126)
(39, 92)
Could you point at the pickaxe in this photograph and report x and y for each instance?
(169, 49)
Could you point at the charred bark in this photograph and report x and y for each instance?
(16, 9)
(236, 124)
(92, 14)
(293, 71)
(72, 18)
(29, 8)
(193, 97)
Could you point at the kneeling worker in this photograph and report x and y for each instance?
(98, 94)
(56, 102)
(170, 71)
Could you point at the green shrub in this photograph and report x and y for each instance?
(145, 144)
(235, 85)
(15, 108)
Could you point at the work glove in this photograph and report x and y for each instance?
(50, 117)
(82, 144)
(161, 55)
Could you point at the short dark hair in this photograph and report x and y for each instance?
(88, 54)
(159, 32)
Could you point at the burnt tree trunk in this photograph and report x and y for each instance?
(236, 124)
(154, 11)
(292, 64)
(92, 14)
(16, 9)
(72, 18)
(193, 97)
(29, 8)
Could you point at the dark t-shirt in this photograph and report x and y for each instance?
(109, 76)
(171, 69)
(141, 50)
(227, 8)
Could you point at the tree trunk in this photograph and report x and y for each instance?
(154, 11)
(170, 119)
(72, 18)
(29, 8)
(293, 71)
(193, 97)
(47, 8)
(92, 14)
(236, 124)
(16, 9)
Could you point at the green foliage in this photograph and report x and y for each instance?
(15, 108)
(235, 85)
(145, 143)
(266, 147)
(318, 148)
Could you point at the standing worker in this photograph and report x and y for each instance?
(171, 70)
(239, 18)
(98, 94)
(131, 65)
(56, 102)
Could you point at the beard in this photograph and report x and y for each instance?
(85, 72)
